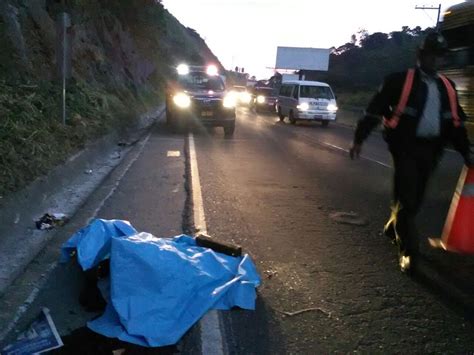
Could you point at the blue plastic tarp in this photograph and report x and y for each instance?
(92, 243)
(160, 287)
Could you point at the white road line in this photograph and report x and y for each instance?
(211, 335)
(199, 217)
(362, 156)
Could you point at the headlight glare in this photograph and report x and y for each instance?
(303, 106)
(230, 100)
(332, 108)
(245, 97)
(212, 70)
(183, 69)
(182, 100)
(260, 99)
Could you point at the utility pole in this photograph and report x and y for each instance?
(63, 23)
(431, 8)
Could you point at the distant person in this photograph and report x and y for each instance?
(421, 115)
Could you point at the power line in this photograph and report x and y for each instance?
(431, 8)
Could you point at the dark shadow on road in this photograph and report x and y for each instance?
(449, 283)
(253, 332)
(84, 341)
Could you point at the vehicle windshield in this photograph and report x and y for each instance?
(316, 92)
(201, 81)
(265, 91)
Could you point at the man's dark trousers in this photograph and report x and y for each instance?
(413, 165)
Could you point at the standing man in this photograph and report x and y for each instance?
(421, 115)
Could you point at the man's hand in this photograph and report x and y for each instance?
(354, 152)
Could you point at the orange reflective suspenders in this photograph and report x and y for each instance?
(452, 101)
(393, 121)
(407, 86)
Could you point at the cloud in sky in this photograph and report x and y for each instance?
(245, 33)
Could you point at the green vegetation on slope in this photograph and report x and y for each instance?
(123, 51)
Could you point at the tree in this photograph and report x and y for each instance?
(362, 34)
(363, 67)
(376, 40)
(344, 48)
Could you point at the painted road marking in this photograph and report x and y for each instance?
(199, 217)
(362, 156)
(173, 153)
(211, 334)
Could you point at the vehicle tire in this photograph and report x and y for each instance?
(229, 129)
(280, 114)
(324, 123)
(291, 117)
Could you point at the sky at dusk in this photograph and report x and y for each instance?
(246, 33)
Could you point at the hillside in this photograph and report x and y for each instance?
(121, 53)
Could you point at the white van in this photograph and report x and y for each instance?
(306, 100)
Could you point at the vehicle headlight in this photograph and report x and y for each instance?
(332, 108)
(303, 107)
(212, 70)
(183, 69)
(230, 100)
(260, 99)
(182, 100)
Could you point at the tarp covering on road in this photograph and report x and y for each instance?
(160, 287)
(92, 243)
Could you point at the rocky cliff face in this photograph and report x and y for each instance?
(121, 54)
(113, 42)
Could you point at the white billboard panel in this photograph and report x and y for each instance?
(297, 58)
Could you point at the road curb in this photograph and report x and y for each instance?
(63, 190)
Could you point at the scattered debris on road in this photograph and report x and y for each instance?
(351, 218)
(128, 144)
(51, 220)
(40, 337)
(314, 309)
(206, 241)
(270, 273)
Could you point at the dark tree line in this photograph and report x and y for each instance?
(362, 63)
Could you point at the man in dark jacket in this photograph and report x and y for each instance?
(421, 114)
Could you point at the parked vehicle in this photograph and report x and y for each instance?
(306, 100)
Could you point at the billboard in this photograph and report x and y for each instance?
(297, 58)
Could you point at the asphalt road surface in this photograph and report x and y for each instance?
(277, 190)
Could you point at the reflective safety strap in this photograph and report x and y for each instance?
(393, 121)
(452, 101)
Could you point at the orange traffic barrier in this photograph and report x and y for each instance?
(458, 231)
